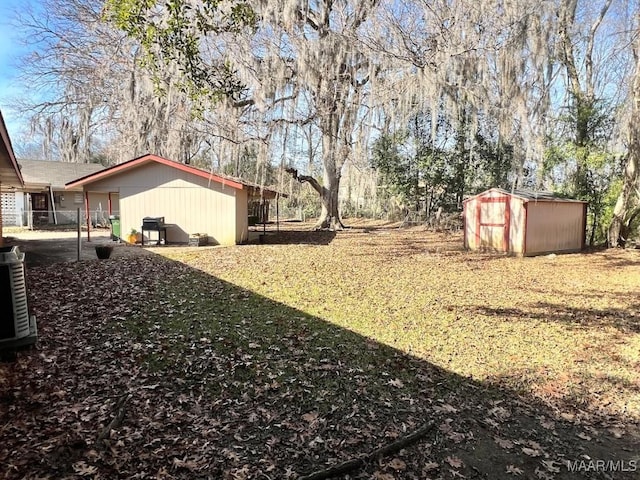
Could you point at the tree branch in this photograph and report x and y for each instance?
(305, 179)
(356, 463)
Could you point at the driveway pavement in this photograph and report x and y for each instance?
(46, 247)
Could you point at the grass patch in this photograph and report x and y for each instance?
(273, 361)
(560, 328)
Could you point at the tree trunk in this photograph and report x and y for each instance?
(623, 212)
(330, 215)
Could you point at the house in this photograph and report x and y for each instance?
(10, 176)
(43, 199)
(190, 200)
(524, 223)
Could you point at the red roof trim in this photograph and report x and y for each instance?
(523, 198)
(136, 162)
(7, 143)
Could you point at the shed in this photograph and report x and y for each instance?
(190, 200)
(523, 222)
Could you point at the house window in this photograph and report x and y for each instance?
(39, 202)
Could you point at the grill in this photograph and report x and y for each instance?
(154, 224)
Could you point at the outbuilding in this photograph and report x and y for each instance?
(189, 200)
(523, 222)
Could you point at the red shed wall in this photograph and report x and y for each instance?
(494, 221)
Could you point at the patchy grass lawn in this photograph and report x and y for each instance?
(274, 361)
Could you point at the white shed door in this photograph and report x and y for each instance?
(493, 219)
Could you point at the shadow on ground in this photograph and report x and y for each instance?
(46, 251)
(149, 368)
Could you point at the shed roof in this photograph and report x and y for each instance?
(9, 171)
(529, 196)
(55, 174)
(149, 158)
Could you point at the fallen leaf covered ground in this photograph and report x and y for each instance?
(278, 360)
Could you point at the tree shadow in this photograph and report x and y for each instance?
(297, 237)
(626, 320)
(147, 366)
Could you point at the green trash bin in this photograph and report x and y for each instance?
(115, 227)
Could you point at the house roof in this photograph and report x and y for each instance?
(10, 175)
(529, 196)
(149, 158)
(42, 173)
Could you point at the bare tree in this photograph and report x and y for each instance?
(90, 97)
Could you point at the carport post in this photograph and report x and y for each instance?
(79, 233)
(87, 214)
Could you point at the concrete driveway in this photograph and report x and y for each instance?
(47, 247)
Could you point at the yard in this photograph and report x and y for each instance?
(275, 361)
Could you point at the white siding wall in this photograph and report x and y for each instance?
(470, 232)
(242, 216)
(188, 203)
(554, 227)
(517, 227)
(12, 209)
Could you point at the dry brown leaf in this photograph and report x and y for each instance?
(547, 424)
(617, 432)
(445, 408)
(310, 417)
(457, 437)
(382, 476)
(512, 469)
(454, 461)
(550, 465)
(532, 452)
(397, 464)
(82, 469)
(500, 413)
(542, 475)
(504, 443)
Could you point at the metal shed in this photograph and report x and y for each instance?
(523, 222)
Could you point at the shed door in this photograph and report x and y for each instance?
(493, 223)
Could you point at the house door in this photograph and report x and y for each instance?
(40, 208)
(493, 223)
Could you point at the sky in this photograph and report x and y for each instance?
(10, 50)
